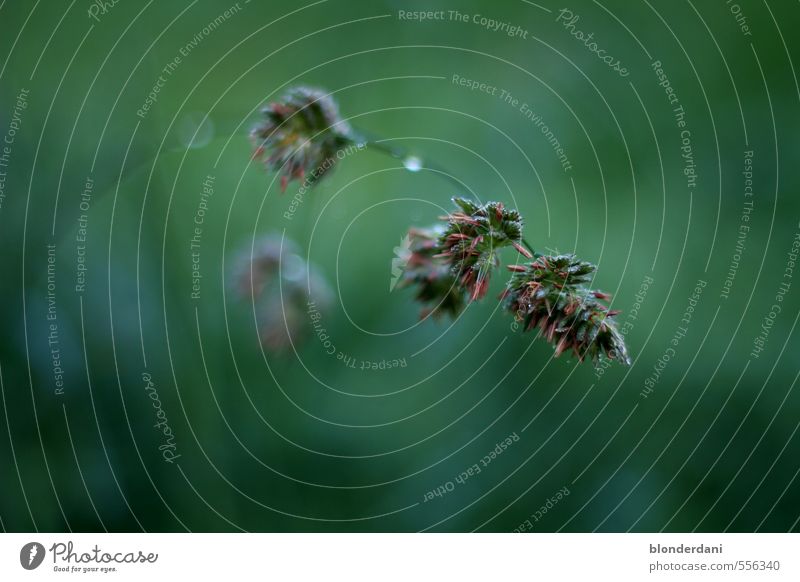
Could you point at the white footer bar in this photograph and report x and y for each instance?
(401, 557)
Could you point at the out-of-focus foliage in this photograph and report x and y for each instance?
(127, 115)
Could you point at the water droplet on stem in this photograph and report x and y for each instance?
(412, 163)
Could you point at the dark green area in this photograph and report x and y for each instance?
(304, 442)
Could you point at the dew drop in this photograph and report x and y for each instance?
(412, 163)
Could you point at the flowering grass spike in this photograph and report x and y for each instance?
(279, 284)
(300, 135)
(472, 238)
(551, 294)
(437, 288)
(450, 265)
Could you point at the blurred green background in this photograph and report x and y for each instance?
(301, 442)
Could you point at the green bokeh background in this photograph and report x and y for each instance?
(272, 444)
